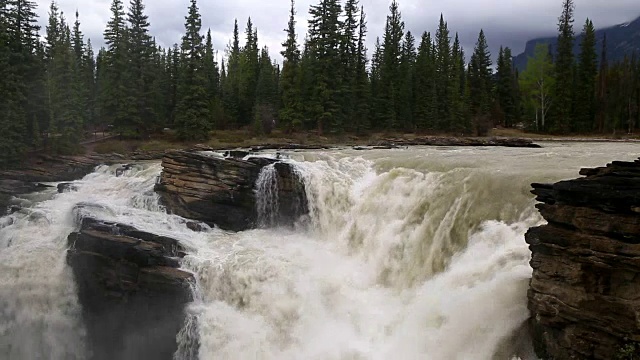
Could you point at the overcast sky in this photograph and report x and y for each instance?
(506, 22)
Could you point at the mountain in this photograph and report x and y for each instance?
(622, 40)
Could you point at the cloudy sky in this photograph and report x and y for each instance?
(506, 22)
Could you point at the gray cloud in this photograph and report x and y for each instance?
(506, 22)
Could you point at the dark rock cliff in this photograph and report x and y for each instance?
(584, 296)
(132, 293)
(221, 191)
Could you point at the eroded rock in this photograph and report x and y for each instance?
(221, 191)
(584, 296)
(132, 293)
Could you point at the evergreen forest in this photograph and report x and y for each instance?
(56, 89)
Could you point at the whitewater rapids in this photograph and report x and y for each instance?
(406, 254)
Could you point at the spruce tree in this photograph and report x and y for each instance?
(458, 116)
(349, 61)
(390, 76)
(602, 89)
(505, 92)
(425, 109)
(114, 106)
(480, 85)
(442, 75)
(266, 95)
(213, 83)
(324, 46)
(141, 111)
(291, 112)
(192, 108)
(406, 89)
(231, 84)
(362, 89)
(564, 63)
(249, 68)
(587, 73)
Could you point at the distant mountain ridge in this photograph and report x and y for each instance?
(623, 39)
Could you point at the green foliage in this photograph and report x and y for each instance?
(192, 108)
(586, 80)
(564, 64)
(480, 84)
(628, 351)
(537, 83)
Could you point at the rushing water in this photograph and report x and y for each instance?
(406, 254)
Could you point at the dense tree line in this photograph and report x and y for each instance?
(562, 94)
(56, 90)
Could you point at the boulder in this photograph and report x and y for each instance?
(132, 292)
(221, 191)
(584, 295)
(67, 187)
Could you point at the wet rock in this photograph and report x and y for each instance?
(584, 293)
(132, 293)
(67, 187)
(219, 191)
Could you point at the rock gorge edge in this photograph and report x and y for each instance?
(584, 295)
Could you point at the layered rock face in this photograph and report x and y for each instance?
(132, 293)
(222, 191)
(585, 291)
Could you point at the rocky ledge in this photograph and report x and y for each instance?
(584, 296)
(221, 191)
(132, 293)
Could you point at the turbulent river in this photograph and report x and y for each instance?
(413, 253)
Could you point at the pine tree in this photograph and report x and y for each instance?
(390, 67)
(505, 91)
(602, 89)
(114, 106)
(564, 70)
(192, 108)
(231, 83)
(459, 117)
(291, 112)
(480, 85)
(249, 69)
(442, 76)
(362, 92)
(377, 106)
(324, 46)
(213, 83)
(349, 61)
(425, 110)
(406, 89)
(266, 95)
(587, 73)
(141, 112)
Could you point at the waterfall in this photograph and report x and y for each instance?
(267, 203)
(408, 254)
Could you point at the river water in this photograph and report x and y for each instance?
(413, 253)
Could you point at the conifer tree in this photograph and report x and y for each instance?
(586, 79)
(213, 83)
(141, 113)
(266, 95)
(231, 83)
(192, 108)
(564, 64)
(406, 100)
(362, 89)
(458, 117)
(324, 45)
(505, 92)
(425, 109)
(390, 76)
(602, 89)
(114, 106)
(442, 74)
(249, 69)
(480, 85)
(291, 112)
